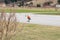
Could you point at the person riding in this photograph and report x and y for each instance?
(29, 18)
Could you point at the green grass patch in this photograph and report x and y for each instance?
(33, 10)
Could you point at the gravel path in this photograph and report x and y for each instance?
(53, 20)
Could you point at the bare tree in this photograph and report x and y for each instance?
(7, 25)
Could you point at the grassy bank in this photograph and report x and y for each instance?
(34, 10)
(37, 32)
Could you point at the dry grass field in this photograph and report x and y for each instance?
(37, 32)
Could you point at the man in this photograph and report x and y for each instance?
(29, 18)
